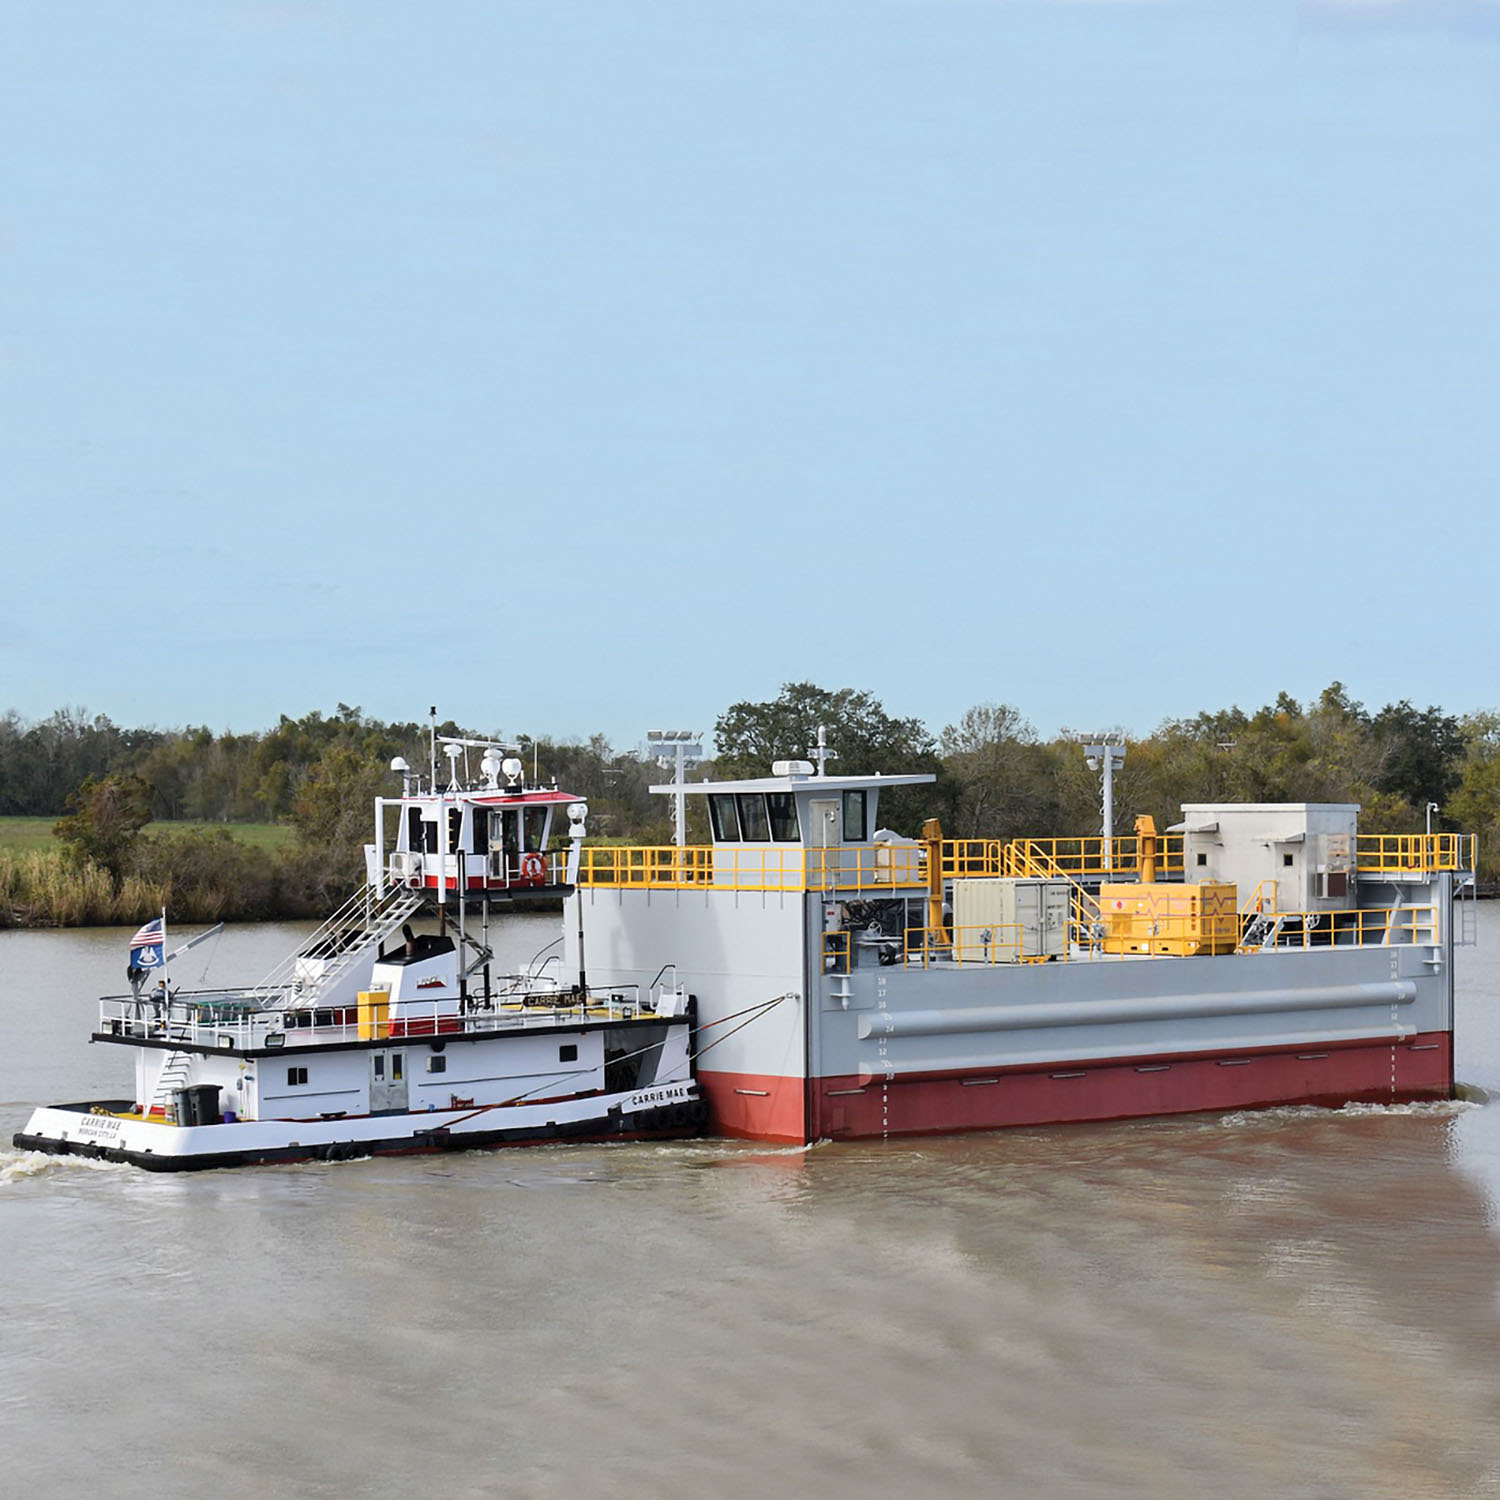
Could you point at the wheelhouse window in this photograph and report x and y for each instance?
(854, 817)
(721, 814)
(782, 809)
(535, 820)
(753, 823)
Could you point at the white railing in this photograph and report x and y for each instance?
(228, 1019)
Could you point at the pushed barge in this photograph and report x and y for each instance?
(375, 1039)
(1252, 955)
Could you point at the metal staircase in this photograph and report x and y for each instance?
(1025, 859)
(174, 1073)
(309, 976)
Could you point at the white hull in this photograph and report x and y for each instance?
(662, 1110)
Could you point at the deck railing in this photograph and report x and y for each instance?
(1415, 853)
(848, 867)
(225, 1019)
(868, 867)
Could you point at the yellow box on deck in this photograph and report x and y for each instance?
(374, 1022)
(1170, 918)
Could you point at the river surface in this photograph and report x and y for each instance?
(1296, 1303)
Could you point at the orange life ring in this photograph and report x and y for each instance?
(533, 868)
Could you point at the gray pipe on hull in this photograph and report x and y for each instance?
(1155, 1008)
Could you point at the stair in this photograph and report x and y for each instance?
(174, 1073)
(1026, 860)
(309, 976)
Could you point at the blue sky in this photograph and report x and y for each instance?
(587, 366)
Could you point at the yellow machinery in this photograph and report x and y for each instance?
(374, 1007)
(932, 837)
(1169, 918)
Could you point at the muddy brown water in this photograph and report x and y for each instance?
(1293, 1303)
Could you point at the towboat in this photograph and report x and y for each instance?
(375, 1038)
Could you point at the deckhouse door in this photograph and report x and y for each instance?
(387, 1080)
(823, 843)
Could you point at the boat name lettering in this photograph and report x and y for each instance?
(99, 1125)
(661, 1095)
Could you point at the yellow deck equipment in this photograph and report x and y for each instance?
(1169, 918)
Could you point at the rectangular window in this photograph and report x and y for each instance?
(294, 1076)
(568, 1053)
(722, 815)
(395, 1067)
(1202, 860)
(437, 1064)
(854, 817)
(1286, 859)
(379, 1061)
(782, 807)
(753, 824)
(535, 823)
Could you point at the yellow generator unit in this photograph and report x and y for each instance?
(374, 1014)
(1174, 918)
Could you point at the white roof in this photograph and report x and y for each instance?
(797, 784)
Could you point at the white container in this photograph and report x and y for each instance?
(1000, 921)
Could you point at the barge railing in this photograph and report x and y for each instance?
(991, 944)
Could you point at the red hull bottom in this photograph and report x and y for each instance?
(768, 1108)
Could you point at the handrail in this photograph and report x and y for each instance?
(1415, 853)
(1353, 927)
(846, 867)
(246, 1026)
(869, 866)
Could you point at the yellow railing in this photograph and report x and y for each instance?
(870, 866)
(1059, 859)
(1419, 853)
(975, 943)
(851, 867)
(1372, 926)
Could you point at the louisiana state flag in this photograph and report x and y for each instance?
(149, 944)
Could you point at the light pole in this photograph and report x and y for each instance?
(674, 749)
(1106, 758)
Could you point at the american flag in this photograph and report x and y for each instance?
(153, 932)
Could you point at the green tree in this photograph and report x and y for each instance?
(334, 814)
(751, 736)
(108, 813)
(998, 776)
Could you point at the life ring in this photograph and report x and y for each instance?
(533, 868)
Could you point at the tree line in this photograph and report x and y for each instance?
(996, 777)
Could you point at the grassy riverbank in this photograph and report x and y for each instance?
(199, 872)
(24, 835)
